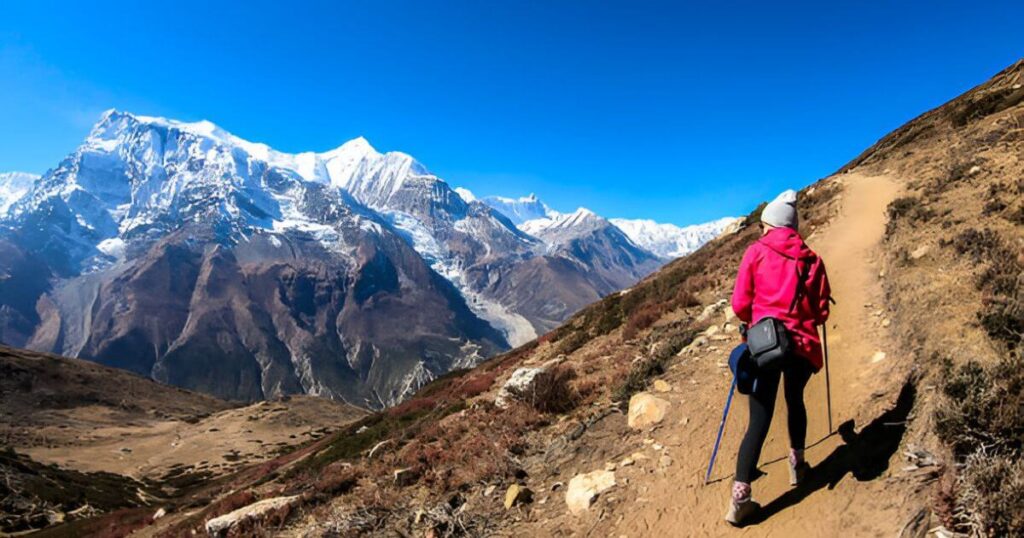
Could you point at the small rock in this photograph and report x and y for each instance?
(878, 356)
(626, 462)
(557, 486)
(160, 513)
(920, 252)
(886, 322)
(518, 383)
(711, 331)
(661, 385)
(711, 310)
(664, 461)
(657, 446)
(516, 495)
(974, 170)
(584, 489)
(645, 410)
(729, 327)
(638, 456)
(489, 490)
(610, 466)
(220, 526)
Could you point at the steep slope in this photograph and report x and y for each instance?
(925, 258)
(178, 254)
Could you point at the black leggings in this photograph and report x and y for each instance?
(796, 371)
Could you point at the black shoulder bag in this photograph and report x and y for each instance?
(768, 339)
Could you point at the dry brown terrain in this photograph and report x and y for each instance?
(87, 418)
(922, 236)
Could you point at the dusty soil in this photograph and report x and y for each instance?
(664, 494)
(91, 418)
(213, 445)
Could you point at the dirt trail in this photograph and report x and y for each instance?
(858, 487)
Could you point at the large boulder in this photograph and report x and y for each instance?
(219, 526)
(584, 488)
(646, 410)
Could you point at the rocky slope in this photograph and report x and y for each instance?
(181, 252)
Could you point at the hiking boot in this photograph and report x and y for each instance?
(741, 512)
(798, 473)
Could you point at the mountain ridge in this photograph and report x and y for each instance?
(119, 251)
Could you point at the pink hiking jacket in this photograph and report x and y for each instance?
(768, 281)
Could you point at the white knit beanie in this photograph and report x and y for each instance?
(781, 212)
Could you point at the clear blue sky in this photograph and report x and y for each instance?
(634, 109)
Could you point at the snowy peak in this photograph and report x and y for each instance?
(520, 210)
(370, 176)
(669, 240)
(561, 227)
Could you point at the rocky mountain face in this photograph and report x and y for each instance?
(181, 252)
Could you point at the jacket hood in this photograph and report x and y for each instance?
(787, 241)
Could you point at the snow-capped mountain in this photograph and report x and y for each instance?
(664, 240)
(185, 253)
(669, 240)
(13, 186)
(520, 210)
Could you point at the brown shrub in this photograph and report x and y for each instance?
(552, 391)
(993, 486)
(231, 503)
(980, 415)
(642, 371)
(909, 209)
(641, 319)
(1002, 281)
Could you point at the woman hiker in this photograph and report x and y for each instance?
(779, 277)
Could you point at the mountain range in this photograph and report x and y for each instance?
(184, 253)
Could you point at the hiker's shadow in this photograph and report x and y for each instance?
(865, 455)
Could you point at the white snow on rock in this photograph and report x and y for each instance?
(520, 210)
(466, 194)
(14, 186)
(664, 240)
(669, 240)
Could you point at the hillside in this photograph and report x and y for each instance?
(922, 235)
(79, 440)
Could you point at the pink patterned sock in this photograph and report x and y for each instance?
(740, 491)
(796, 456)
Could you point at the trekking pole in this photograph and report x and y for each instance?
(721, 428)
(828, 384)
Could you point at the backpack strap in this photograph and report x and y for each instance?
(801, 274)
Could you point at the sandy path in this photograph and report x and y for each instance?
(857, 489)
